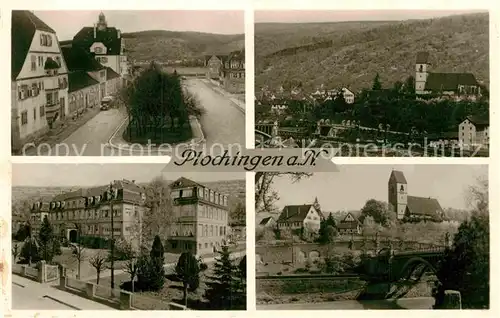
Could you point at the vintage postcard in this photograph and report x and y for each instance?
(373, 237)
(126, 83)
(374, 83)
(127, 237)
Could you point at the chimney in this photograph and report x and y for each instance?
(118, 33)
(95, 31)
(133, 181)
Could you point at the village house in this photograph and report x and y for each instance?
(106, 44)
(474, 131)
(201, 217)
(233, 72)
(39, 80)
(349, 225)
(87, 79)
(297, 217)
(214, 65)
(410, 208)
(459, 85)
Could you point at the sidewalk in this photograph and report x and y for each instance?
(30, 295)
(232, 97)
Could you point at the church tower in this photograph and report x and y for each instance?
(316, 205)
(421, 73)
(398, 193)
(101, 23)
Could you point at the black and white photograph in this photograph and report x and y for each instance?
(126, 83)
(385, 83)
(373, 237)
(127, 237)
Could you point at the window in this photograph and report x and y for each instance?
(33, 63)
(34, 114)
(24, 118)
(102, 74)
(421, 68)
(98, 50)
(58, 60)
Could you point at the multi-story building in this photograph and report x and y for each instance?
(105, 43)
(349, 225)
(87, 79)
(474, 131)
(233, 72)
(39, 80)
(39, 211)
(89, 211)
(201, 218)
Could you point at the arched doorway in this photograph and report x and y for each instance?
(73, 236)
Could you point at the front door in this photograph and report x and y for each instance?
(62, 108)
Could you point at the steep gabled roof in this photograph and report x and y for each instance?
(78, 60)
(294, 213)
(264, 221)
(110, 73)
(398, 176)
(449, 81)
(425, 206)
(80, 79)
(24, 26)
(479, 121)
(109, 37)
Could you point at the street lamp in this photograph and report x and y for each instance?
(112, 194)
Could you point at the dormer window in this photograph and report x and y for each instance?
(98, 50)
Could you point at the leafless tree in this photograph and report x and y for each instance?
(158, 215)
(97, 261)
(478, 196)
(131, 268)
(264, 196)
(78, 249)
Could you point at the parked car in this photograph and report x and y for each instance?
(106, 102)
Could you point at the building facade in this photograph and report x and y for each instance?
(462, 85)
(89, 211)
(350, 225)
(214, 65)
(39, 79)
(410, 208)
(201, 217)
(474, 131)
(233, 72)
(298, 217)
(105, 43)
(88, 79)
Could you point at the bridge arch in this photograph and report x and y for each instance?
(412, 264)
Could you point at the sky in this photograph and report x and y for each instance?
(68, 23)
(88, 175)
(353, 185)
(302, 16)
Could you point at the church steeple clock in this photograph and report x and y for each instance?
(398, 193)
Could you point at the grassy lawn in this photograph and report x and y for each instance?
(163, 135)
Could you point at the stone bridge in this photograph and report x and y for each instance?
(299, 253)
(392, 265)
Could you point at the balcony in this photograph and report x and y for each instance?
(51, 83)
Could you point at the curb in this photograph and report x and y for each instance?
(193, 142)
(209, 84)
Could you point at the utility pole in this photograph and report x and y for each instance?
(111, 194)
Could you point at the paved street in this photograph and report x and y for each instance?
(403, 303)
(223, 123)
(30, 295)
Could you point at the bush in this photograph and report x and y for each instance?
(150, 274)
